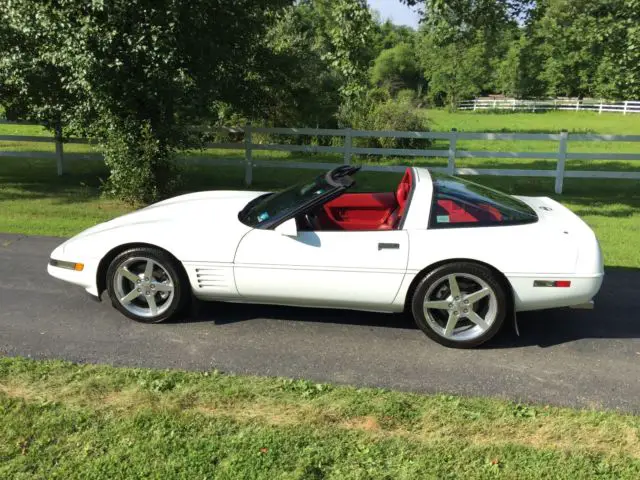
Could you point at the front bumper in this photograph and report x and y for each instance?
(85, 278)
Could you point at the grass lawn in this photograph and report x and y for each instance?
(548, 122)
(67, 421)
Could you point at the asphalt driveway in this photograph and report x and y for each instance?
(563, 357)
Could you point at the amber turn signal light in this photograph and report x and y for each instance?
(78, 267)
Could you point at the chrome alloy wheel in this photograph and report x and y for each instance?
(460, 306)
(143, 287)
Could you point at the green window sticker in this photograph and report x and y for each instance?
(442, 219)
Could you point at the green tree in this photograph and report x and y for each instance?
(630, 57)
(566, 47)
(461, 44)
(510, 70)
(397, 68)
(349, 33)
(317, 56)
(588, 48)
(387, 35)
(453, 19)
(569, 49)
(454, 71)
(300, 87)
(132, 74)
(473, 12)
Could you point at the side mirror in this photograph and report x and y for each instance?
(288, 228)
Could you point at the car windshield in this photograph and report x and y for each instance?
(277, 205)
(458, 201)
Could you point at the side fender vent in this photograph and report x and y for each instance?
(212, 278)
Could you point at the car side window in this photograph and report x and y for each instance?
(458, 203)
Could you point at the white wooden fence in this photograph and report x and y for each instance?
(628, 106)
(560, 154)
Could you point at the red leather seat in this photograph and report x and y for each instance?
(402, 195)
(366, 211)
(390, 222)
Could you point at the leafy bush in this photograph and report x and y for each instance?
(142, 167)
(378, 95)
(406, 95)
(390, 115)
(397, 68)
(397, 116)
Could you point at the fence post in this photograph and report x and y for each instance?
(626, 104)
(562, 157)
(475, 104)
(577, 105)
(600, 108)
(347, 146)
(59, 150)
(453, 140)
(248, 165)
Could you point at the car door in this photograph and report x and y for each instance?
(362, 269)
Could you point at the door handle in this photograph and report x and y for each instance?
(388, 246)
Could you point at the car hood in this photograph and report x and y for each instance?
(219, 207)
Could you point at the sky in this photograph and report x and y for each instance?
(398, 12)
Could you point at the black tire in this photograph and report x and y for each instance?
(166, 273)
(436, 282)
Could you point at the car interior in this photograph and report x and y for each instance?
(456, 212)
(385, 210)
(362, 211)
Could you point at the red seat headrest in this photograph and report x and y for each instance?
(402, 192)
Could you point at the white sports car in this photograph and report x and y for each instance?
(460, 257)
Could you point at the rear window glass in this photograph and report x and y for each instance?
(458, 202)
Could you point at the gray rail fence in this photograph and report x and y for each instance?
(560, 154)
